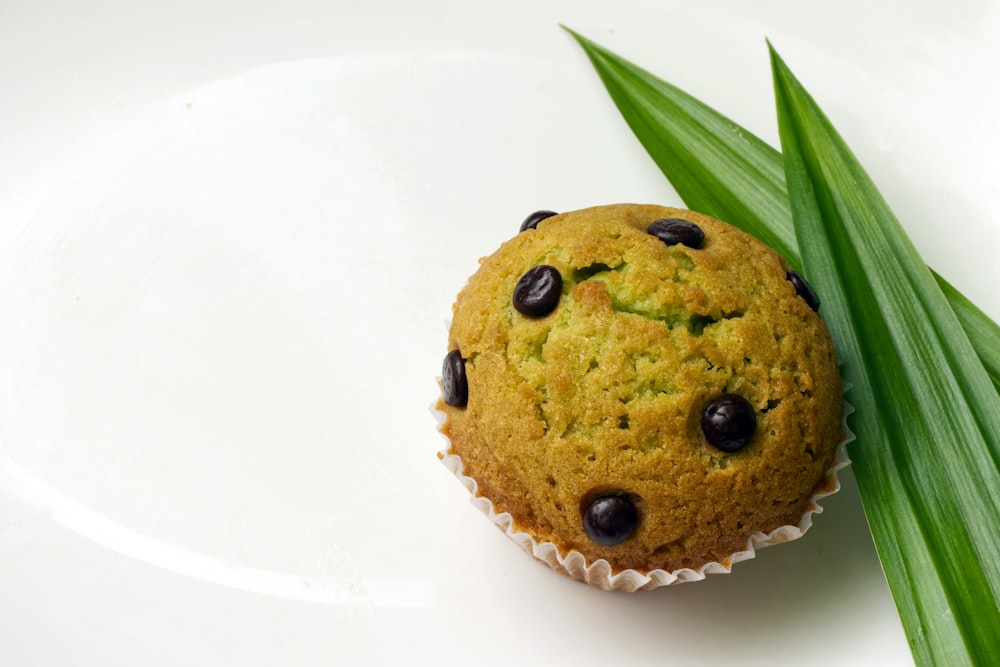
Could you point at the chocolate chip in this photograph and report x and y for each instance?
(675, 230)
(729, 422)
(532, 220)
(803, 289)
(537, 292)
(454, 384)
(609, 519)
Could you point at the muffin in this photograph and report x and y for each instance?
(641, 389)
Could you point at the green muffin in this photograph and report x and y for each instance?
(642, 385)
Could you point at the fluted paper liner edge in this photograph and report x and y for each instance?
(599, 573)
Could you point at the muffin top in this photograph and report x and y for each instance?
(642, 384)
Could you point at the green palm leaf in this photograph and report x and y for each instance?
(723, 170)
(927, 420)
(923, 360)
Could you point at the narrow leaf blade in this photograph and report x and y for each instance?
(927, 456)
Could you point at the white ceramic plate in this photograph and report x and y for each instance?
(230, 236)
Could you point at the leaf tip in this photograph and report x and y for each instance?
(776, 60)
(780, 69)
(574, 34)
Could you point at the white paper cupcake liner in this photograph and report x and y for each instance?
(599, 573)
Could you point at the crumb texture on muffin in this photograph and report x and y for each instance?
(603, 395)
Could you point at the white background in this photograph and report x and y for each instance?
(230, 236)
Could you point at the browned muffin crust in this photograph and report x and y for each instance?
(606, 393)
